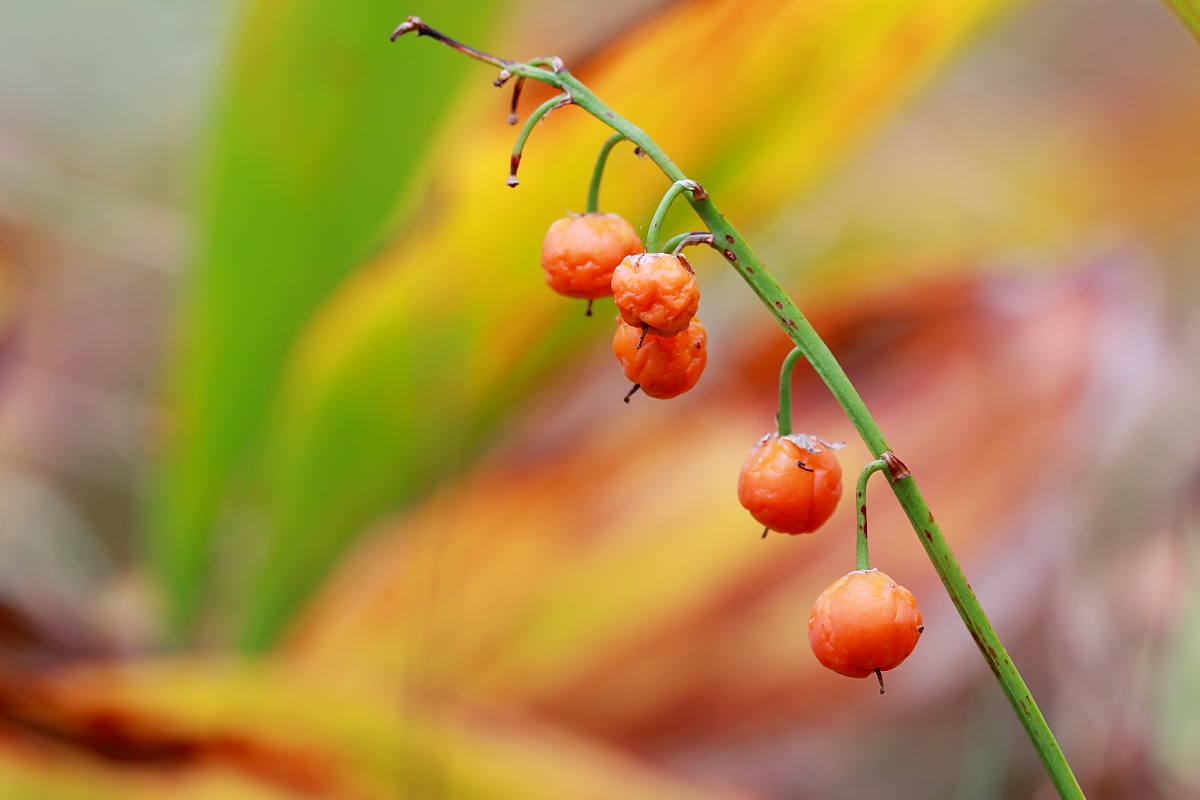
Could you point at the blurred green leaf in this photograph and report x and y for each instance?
(314, 142)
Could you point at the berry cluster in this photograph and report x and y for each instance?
(791, 482)
(864, 622)
(661, 345)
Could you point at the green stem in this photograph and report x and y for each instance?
(861, 558)
(764, 285)
(538, 114)
(783, 420)
(593, 198)
(681, 240)
(654, 232)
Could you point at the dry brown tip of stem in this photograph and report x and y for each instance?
(410, 24)
(879, 674)
(696, 189)
(629, 394)
(895, 467)
(502, 78)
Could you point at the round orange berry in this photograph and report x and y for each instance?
(790, 484)
(657, 290)
(864, 622)
(663, 366)
(580, 253)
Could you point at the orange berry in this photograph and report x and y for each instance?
(862, 623)
(783, 495)
(664, 366)
(657, 290)
(580, 253)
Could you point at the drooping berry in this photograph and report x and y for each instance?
(663, 366)
(864, 623)
(790, 484)
(656, 290)
(580, 253)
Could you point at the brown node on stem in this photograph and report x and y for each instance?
(897, 471)
(698, 192)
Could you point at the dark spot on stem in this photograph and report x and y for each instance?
(729, 254)
(779, 305)
(729, 238)
(928, 535)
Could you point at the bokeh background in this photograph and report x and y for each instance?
(309, 488)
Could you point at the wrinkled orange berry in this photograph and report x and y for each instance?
(862, 623)
(664, 366)
(657, 290)
(580, 253)
(787, 496)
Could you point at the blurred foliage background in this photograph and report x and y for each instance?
(311, 489)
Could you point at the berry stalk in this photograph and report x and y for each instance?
(593, 197)
(750, 267)
(862, 559)
(783, 419)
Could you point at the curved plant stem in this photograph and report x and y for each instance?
(537, 116)
(593, 198)
(681, 240)
(861, 558)
(654, 232)
(783, 419)
(793, 323)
